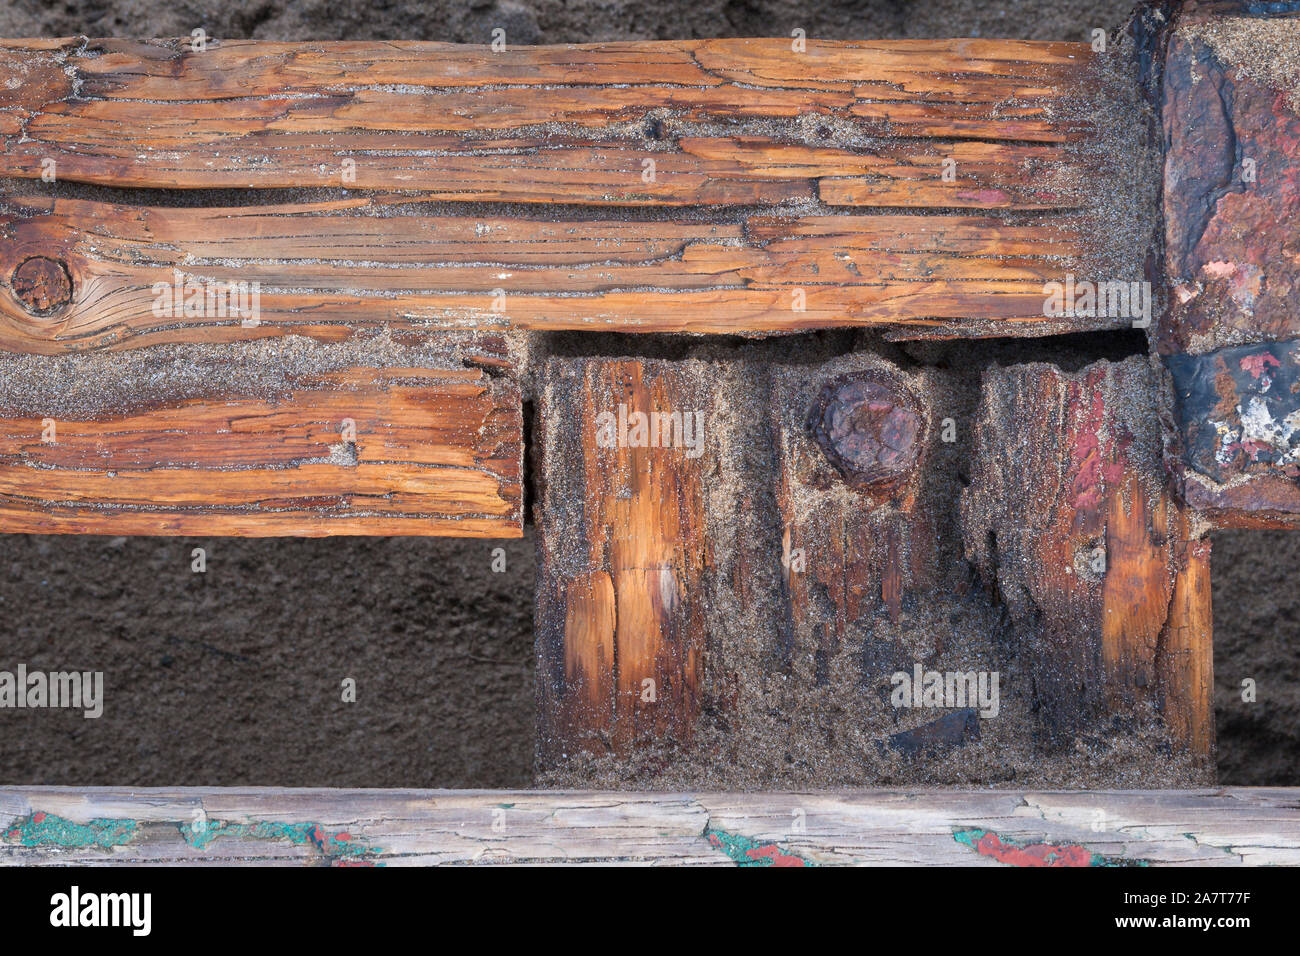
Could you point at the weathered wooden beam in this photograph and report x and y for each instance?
(185, 445)
(85, 275)
(1070, 517)
(722, 121)
(808, 563)
(273, 826)
(620, 604)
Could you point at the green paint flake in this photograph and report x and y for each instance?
(331, 844)
(46, 829)
(746, 851)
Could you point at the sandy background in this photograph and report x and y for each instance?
(233, 676)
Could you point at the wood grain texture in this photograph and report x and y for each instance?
(1070, 517)
(725, 121)
(435, 452)
(620, 597)
(326, 269)
(272, 826)
(850, 550)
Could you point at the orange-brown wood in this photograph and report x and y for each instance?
(326, 269)
(621, 602)
(850, 551)
(1186, 650)
(724, 121)
(1070, 517)
(353, 451)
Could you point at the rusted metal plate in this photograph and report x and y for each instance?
(1239, 415)
(1232, 204)
(1232, 260)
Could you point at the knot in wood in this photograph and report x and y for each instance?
(42, 285)
(868, 428)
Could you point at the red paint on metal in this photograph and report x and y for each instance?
(1258, 364)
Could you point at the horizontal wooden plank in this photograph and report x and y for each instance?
(393, 451)
(723, 121)
(271, 826)
(326, 268)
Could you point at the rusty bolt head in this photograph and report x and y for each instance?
(869, 428)
(42, 285)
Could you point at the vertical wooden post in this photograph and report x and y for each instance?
(620, 612)
(1069, 515)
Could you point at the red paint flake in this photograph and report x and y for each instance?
(1035, 854)
(343, 837)
(1258, 364)
(38, 817)
(773, 852)
(1086, 457)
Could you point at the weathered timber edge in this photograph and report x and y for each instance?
(276, 826)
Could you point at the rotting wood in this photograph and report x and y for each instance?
(325, 269)
(851, 440)
(734, 128)
(724, 121)
(392, 451)
(1069, 516)
(273, 826)
(620, 602)
(813, 560)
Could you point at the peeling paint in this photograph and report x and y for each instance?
(41, 829)
(1239, 409)
(749, 852)
(340, 845)
(1012, 853)
(46, 829)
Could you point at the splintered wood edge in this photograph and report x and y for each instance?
(277, 826)
(570, 124)
(378, 452)
(83, 275)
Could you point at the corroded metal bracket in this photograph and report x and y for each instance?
(1230, 335)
